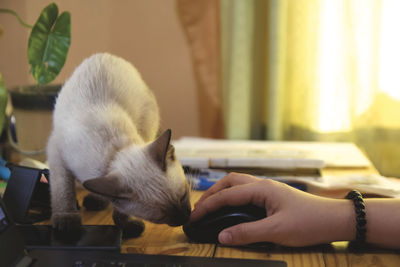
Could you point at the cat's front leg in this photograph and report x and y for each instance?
(65, 215)
(131, 227)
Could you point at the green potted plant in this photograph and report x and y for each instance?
(48, 46)
(3, 98)
(3, 102)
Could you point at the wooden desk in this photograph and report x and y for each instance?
(162, 239)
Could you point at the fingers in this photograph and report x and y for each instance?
(230, 180)
(247, 233)
(233, 196)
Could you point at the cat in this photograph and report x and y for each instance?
(104, 135)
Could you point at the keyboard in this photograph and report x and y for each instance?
(77, 258)
(90, 263)
(178, 262)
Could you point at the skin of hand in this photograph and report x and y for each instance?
(294, 218)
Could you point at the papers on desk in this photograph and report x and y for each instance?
(202, 179)
(213, 153)
(211, 159)
(372, 184)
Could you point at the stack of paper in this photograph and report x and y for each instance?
(213, 153)
(209, 160)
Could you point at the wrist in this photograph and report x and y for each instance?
(383, 219)
(341, 225)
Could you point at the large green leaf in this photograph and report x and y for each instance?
(3, 103)
(49, 43)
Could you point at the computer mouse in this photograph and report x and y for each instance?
(206, 229)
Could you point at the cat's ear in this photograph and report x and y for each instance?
(159, 148)
(109, 186)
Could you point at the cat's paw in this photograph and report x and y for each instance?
(132, 228)
(66, 221)
(95, 203)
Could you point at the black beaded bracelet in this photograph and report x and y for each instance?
(359, 206)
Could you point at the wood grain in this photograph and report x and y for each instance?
(162, 239)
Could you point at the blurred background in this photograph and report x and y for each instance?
(146, 33)
(313, 70)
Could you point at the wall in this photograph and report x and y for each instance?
(146, 33)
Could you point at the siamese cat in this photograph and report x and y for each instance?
(105, 126)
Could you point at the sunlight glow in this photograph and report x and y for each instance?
(359, 54)
(389, 71)
(333, 81)
(365, 30)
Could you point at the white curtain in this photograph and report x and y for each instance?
(314, 70)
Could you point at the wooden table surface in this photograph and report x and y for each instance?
(163, 239)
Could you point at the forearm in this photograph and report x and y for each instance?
(342, 221)
(383, 222)
(331, 220)
(335, 220)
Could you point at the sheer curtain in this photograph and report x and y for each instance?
(322, 70)
(200, 21)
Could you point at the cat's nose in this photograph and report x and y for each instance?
(179, 215)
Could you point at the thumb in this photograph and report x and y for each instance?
(246, 233)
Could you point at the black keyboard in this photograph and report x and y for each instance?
(91, 263)
(77, 258)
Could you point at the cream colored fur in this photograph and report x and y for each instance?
(105, 126)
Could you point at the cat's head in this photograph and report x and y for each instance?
(147, 182)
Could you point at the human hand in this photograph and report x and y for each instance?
(294, 217)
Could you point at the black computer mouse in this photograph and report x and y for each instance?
(206, 229)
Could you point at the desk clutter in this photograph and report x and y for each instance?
(162, 239)
(287, 155)
(298, 164)
(18, 251)
(27, 194)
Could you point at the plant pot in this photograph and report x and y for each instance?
(32, 111)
